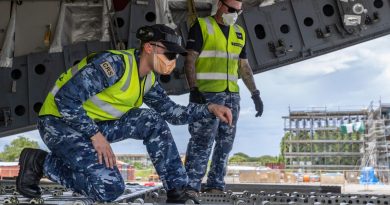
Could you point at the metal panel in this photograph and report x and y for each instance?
(322, 16)
(339, 39)
(15, 93)
(382, 25)
(258, 30)
(280, 30)
(142, 13)
(5, 9)
(73, 54)
(32, 19)
(122, 20)
(328, 15)
(97, 46)
(309, 20)
(43, 71)
(26, 85)
(6, 99)
(285, 28)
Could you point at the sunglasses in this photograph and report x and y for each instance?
(231, 9)
(170, 56)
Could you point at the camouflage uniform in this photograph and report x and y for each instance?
(73, 161)
(205, 41)
(203, 134)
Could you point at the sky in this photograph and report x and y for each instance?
(346, 79)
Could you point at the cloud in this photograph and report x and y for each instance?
(309, 70)
(327, 64)
(372, 53)
(380, 60)
(247, 111)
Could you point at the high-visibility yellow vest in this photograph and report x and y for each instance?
(217, 64)
(112, 102)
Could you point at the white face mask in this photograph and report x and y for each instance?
(230, 18)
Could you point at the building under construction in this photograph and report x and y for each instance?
(313, 140)
(377, 138)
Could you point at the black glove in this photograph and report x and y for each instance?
(258, 103)
(196, 96)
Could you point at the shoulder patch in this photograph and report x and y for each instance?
(107, 68)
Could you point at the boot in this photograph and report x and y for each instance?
(30, 172)
(182, 196)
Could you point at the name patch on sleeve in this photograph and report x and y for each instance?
(107, 68)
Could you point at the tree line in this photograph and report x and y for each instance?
(242, 158)
(12, 151)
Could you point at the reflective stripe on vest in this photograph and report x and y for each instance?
(108, 108)
(218, 54)
(210, 29)
(127, 83)
(54, 90)
(114, 101)
(215, 76)
(217, 64)
(237, 28)
(74, 70)
(148, 83)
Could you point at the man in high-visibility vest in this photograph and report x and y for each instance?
(216, 57)
(95, 103)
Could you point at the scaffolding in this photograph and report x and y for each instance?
(313, 141)
(377, 139)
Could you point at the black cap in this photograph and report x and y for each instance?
(163, 34)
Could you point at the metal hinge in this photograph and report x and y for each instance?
(324, 34)
(371, 20)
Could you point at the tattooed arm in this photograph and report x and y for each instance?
(190, 67)
(195, 95)
(246, 74)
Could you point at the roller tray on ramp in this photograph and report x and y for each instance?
(239, 194)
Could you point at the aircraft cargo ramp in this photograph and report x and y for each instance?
(256, 194)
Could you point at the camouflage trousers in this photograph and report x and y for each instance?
(203, 134)
(73, 161)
